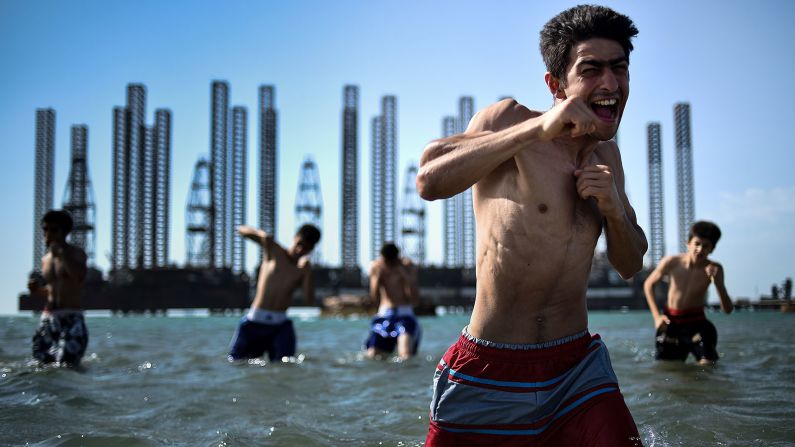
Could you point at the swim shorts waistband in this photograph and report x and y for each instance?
(266, 316)
(61, 312)
(682, 316)
(575, 342)
(400, 311)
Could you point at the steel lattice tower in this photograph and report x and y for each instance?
(459, 217)
(162, 185)
(129, 152)
(684, 172)
(155, 190)
(350, 178)
(466, 109)
(656, 203)
(384, 173)
(218, 173)
(309, 203)
(412, 232)
(453, 221)
(78, 196)
(239, 185)
(141, 170)
(198, 216)
(43, 181)
(268, 152)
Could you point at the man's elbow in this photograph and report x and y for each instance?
(426, 187)
(630, 269)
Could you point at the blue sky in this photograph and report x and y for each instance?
(730, 60)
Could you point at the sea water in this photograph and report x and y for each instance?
(165, 381)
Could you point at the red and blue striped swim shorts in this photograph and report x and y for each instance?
(560, 393)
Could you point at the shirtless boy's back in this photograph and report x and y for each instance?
(393, 286)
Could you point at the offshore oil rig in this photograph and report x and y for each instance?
(214, 277)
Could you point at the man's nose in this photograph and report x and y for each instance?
(609, 81)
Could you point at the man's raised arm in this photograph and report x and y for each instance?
(450, 165)
(254, 234)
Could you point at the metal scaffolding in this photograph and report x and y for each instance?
(268, 151)
(384, 175)
(453, 221)
(459, 217)
(219, 239)
(162, 185)
(78, 197)
(466, 109)
(43, 181)
(198, 216)
(239, 185)
(656, 203)
(141, 170)
(309, 202)
(412, 213)
(349, 232)
(684, 172)
(129, 136)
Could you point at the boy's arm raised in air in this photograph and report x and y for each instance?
(256, 235)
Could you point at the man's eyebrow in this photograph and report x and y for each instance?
(601, 63)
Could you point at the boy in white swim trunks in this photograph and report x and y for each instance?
(266, 328)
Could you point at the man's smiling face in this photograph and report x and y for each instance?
(599, 74)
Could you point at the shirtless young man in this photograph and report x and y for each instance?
(266, 327)
(684, 328)
(545, 185)
(62, 336)
(393, 285)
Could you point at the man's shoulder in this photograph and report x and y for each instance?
(608, 151)
(77, 253)
(501, 115)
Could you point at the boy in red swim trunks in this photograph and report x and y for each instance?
(683, 328)
(526, 371)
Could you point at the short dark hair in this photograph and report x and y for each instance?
(309, 233)
(705, 230)
(578, 24)
(60, 218)
(390, 251)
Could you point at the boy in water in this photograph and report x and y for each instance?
(266, 326)
(62, 336)
(526, 370)
(393, 285)
(683, 328)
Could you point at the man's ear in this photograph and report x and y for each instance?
(554, 86)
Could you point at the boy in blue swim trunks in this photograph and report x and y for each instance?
(62, 335)
(393, 286)
(683, 328)
(266, 328)
(545, 186)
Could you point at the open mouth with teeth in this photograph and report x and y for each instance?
(607, 109)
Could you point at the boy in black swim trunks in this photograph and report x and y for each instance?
(62, 336)
(683, 328)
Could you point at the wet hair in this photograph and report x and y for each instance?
(579, 24)
(705, 230)
(390, 251)
(60, 218)
(309, 233)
